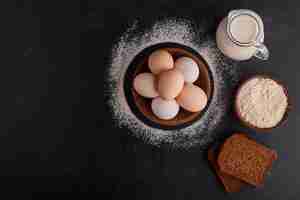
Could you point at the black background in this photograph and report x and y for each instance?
(57, 134)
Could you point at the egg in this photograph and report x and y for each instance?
(189, 68)
(164, 109)
(170, 84)
(144, 85)
(159, 61)
(192, 98)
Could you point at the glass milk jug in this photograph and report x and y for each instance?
(240, 36)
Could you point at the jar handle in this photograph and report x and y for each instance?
(261, 52)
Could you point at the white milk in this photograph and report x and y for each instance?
(229, 48)
(244, 28)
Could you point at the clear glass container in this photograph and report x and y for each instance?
(228, 40)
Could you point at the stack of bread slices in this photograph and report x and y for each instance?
(241, 161)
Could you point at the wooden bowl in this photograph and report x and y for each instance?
(141, 106)
(248, 124)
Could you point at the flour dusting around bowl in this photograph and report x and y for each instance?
(181, 31)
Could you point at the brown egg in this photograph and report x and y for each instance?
(170, 84)
(192, 98)
(159, 61)
(144, 85)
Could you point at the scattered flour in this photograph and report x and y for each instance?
(225, 74)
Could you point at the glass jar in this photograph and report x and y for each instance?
(236, 26)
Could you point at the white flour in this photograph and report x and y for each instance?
(181, 31)
(262, 102)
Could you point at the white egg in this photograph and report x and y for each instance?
(189, 69)
(164, 109)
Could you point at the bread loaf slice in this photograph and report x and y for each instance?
(230, 183)
(245, 159)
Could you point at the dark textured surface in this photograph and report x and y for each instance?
(56, 133)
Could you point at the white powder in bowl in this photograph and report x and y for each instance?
(136, 39)
(262, 102)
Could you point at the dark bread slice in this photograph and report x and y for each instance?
(245, 159)
(230, 183)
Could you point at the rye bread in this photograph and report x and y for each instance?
(230, 183)
(245, 159)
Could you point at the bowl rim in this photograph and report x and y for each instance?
(248, 124)
(129, 76)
